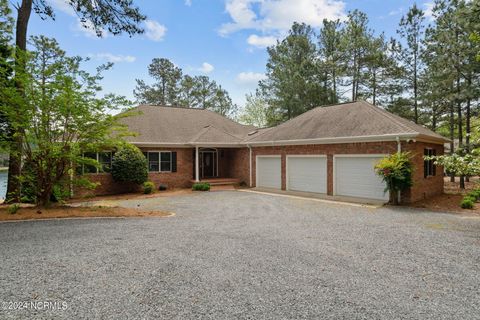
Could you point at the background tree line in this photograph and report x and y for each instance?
(429, 73)
(172, 88)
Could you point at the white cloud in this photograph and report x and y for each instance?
(110, 57)
(250, 78)
(154, 30)
(429, 10)
(88, 30)
(396, 12)
(273, 16)
(188, 3)
(261, 41)
(206, 68)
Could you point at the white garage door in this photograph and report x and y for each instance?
(307, 174)
(355, 177)
(269, 172)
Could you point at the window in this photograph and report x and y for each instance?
(104, 158)
(429, 168)
(165, 161)
(153, 158)
(89, 168)
(159, 161)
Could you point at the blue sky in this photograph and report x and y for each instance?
(224, 39)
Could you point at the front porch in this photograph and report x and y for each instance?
(219, 166)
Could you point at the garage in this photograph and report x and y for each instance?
(269, 172)
(307, 173)
(354, 176)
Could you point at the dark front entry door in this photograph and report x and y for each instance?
(208, 165)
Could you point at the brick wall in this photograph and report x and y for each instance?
(180, 179)
(423, 187)
(234, 163)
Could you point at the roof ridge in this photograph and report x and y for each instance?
(386, 114)
(207, 128)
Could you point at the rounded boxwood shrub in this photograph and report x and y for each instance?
(467, 203)
(201, 186)
(148, 187)
(129, 165)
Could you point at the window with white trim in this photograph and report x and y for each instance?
(159, 161)
(104, 158)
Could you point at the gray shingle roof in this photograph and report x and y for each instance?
(356, 119)
(173, 125)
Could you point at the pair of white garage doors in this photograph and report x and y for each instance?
(353, 175)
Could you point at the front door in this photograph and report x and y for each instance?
(208, 165)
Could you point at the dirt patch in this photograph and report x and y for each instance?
(446, 203)
(26, 213)
(130, 196)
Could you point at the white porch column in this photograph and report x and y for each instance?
(197, 167)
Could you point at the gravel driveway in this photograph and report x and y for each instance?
(244, 255)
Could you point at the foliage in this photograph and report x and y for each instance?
(162, 187)
(396, 171)
(294, 83)
(60, 192)
(474, 194)
(459, 163)
(467, 203)
(113, 16)
(13, 208)
(255, 112)
(148, 187)
(412, 29)
(172, 88)
(129, 165)
(201, 186)
(57, 115)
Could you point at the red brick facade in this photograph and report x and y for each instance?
(235, 163)
(422, 187)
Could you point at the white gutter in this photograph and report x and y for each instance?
(336, 140)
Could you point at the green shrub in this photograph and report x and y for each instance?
(148, 187)
(129, 165)
(162, 187)
(201, 186)
(396, 171)
(467, 203)
(475, 194)
(12, 209)
(60, 193)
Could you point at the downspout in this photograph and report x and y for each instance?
(399, 150)
(250, 164)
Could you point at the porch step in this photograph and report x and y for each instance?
(220, 181)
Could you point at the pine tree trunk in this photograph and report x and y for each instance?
(452, 136)
(16, 152)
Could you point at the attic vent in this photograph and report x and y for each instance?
(252, 133)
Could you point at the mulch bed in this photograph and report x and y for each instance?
(28, 213)
(450, 200)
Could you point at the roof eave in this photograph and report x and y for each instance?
(336, 140)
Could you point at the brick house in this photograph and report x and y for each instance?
(327, 150)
